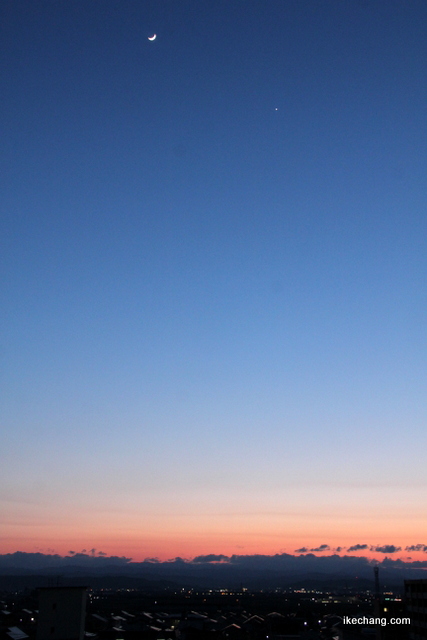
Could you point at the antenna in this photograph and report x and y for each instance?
(377, 583)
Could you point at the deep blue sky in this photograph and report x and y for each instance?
(213, 259)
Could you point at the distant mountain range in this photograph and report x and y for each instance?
(254, 572)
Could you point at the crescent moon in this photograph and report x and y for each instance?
(153, 37)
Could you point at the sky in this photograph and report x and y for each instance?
(213, 276)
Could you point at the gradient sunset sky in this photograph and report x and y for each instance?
(213, 290)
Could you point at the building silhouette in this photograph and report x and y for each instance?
(416, 605)
(62, 613)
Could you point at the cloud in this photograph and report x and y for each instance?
(219, 569)
(33, 561)
(358, 547)
(386, 548)
(417, 547)
(178, 560)
(323, 547)
(417, 564)
(212, 557)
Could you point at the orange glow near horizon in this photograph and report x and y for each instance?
(166, 547)
(176, 529)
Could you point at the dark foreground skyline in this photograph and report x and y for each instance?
(282, 570)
